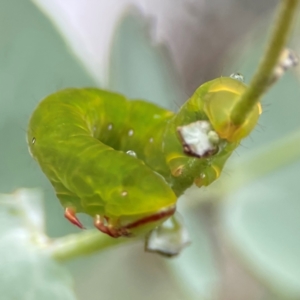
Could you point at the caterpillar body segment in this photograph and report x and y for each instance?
(72, 134)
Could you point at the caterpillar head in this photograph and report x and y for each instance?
(209, 120)
(218, 102)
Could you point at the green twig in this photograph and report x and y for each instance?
(261, 80)
(83, 243)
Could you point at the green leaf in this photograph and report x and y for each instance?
(262, 222)
(27, 273)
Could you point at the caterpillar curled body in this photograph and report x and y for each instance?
(83, 140)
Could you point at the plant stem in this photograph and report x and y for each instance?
(261, 80)
(84, 243)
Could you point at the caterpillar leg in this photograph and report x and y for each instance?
(70, 215)
(108, 228)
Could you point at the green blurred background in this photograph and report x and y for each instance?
(246, 245)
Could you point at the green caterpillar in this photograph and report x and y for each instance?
(125, 163)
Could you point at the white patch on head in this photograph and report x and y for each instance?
(198, 138)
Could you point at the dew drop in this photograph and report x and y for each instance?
(130, 132)
(33, 141)
(131, 153)
(109, 127)
(151, 140)
(124, 194)
(202, 175)
(237, 76)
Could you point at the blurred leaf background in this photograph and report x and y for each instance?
(246, 245)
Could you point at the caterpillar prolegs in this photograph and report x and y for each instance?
(124, 162)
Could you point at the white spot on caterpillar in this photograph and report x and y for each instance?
(131, 153)
(124, 194)
(33, 141)
(130, 132)
(151, 140)
(110, 126)
(202, 175)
